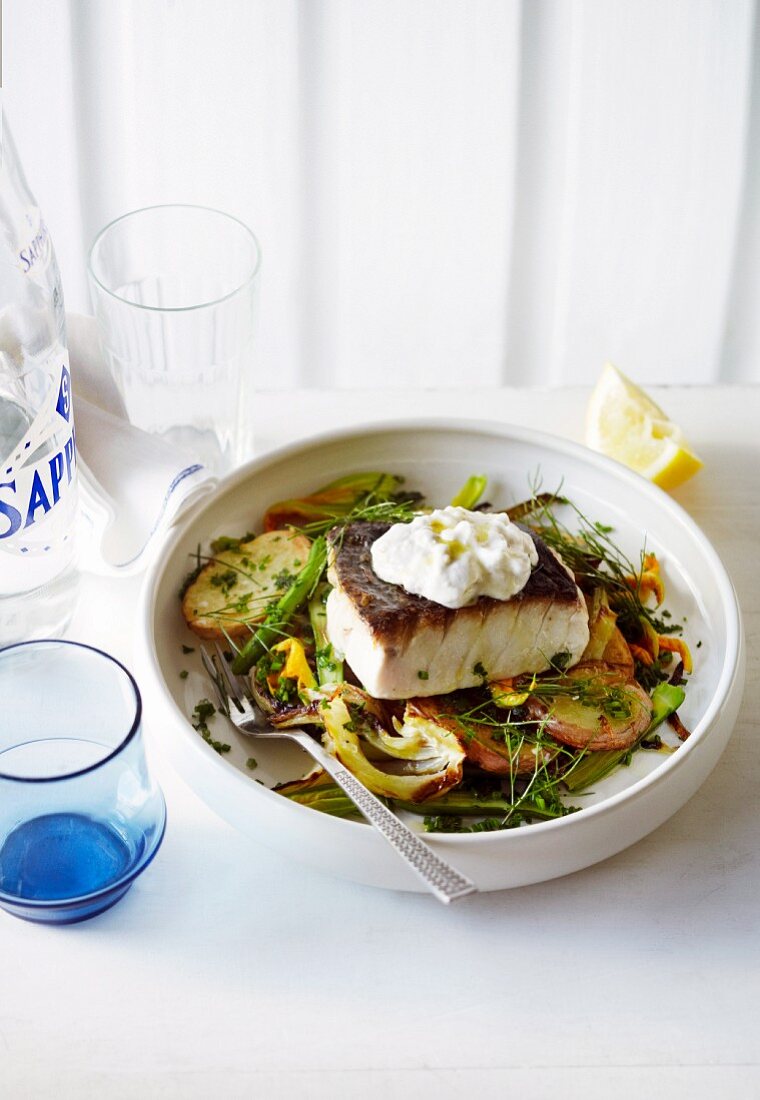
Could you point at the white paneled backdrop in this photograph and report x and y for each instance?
(446, 191)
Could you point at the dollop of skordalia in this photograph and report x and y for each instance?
(453, 556)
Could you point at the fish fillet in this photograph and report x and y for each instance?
(400, 645)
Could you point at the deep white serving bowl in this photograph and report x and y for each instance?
(437, 457)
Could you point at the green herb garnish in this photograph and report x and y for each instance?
(202, 712)
(225, 581)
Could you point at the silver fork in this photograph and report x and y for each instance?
(446, 883)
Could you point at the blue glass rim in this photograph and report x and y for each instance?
(9, 901)
(126, 740)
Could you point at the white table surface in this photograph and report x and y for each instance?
(228, 972)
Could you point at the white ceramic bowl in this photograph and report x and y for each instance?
(436, 457)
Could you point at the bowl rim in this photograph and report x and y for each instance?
(507, 432)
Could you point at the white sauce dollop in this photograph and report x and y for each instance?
(453, 556)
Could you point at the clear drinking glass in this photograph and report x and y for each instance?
(174, 290)
(80, 817)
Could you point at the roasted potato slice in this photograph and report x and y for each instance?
(234, 590)
(498, 758)
(480, 746)
(595, 707)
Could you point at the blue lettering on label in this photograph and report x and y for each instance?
(37, 499)
(63, 404)
(11, 514)
(56, 473)
(70, 452)
(34, 249)
(42, 495)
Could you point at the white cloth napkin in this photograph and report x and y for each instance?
(133, 485)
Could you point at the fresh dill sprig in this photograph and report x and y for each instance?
(537, 764)
(597, 562)
(589, 691)
(229, 566)
(397, 510)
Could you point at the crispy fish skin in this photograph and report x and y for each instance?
(402, 645)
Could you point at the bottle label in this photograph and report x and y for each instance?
(34, 247)
(35, 257)
(37, 477)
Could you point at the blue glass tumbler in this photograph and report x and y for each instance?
(80, 817)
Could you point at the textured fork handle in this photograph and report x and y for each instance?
(440, 877)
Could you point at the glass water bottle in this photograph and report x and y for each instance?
(38, 484)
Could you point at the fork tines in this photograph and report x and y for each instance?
(215, 665)
(237, 688)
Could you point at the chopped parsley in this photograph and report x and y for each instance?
(226, 542)
(218, 746)
(287, 690)
(204, 710)
(225, 581)
(650, 675)
(192, 576)
(201, 714)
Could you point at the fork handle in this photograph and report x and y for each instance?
(446, 883)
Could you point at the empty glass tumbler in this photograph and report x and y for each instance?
(80, 817)
(174, 291)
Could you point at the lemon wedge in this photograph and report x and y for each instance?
(624, 423)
